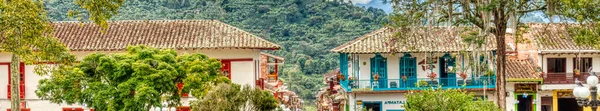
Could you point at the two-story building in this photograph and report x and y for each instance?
(379, 68)
(561, 61)
(238, 50)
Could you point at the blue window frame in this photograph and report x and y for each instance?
(408, 68)
(379, 66)
(447, 77)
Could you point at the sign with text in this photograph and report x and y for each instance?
(400, 103)
(394, 102)
(520, 88)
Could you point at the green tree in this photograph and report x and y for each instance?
(490, 17)
(139, 79)
(233, 97)
(305, 29)
(447, 100)
(26, 33)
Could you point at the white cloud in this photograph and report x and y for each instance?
(361, 1)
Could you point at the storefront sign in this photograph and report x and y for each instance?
(520, 88)
(394, 102)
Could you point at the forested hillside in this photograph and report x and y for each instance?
(306, 29)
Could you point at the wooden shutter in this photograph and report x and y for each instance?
(22, 81)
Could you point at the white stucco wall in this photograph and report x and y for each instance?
(378, 98)
(383, 97)
(243, 72)
(543, 61)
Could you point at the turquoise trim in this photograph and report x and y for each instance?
(408, 68)
(460, 84)
(379, 66)
(450, 77)
(376, 102)
(344, 70)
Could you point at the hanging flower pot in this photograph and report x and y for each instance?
(577, 72)
(543, 74)
(351, 78)
(404, 78)
(463, 75)
(376, 77)
(341, 77)
(432, 75)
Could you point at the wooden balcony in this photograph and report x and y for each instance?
(564, 78)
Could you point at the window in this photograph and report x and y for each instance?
(583, 64)
(556, 65)
(226, 68)
(22, 81)
(408, 66)
(372, 106)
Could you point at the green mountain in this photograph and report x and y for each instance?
(306, 29)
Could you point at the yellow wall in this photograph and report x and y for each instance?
(554, 101)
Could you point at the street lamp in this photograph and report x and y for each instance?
(582, 93)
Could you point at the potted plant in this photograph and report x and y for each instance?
(543, 74)
(432, 75)
(462, 75)
(376, 77)
(404, 78)
(577, 72)
(341, 77)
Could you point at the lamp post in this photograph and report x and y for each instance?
(583, 93)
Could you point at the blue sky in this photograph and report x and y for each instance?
(530, 17)
(374, 3)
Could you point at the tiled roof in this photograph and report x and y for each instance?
(522, 70)
(383, 41)
(176, 34)
(553, 37)
(280, 59)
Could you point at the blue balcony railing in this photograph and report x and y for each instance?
(410, 84)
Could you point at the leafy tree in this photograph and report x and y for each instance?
(135, 80)
(446, 100)
(26, 33)
(232, 97)
(306, 29)
(490, 16)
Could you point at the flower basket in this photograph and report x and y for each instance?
(376, 77)
(404, 78)
(463, 75)
(341, 77)
(432, 75)
(577, 72)
(543, 74)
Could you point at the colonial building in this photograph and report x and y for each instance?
(332, 97)
(238, 50)
(270, 65)
(379, 69)
(561, 62)
(523, 81)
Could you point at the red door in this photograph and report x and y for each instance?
(226, 69)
